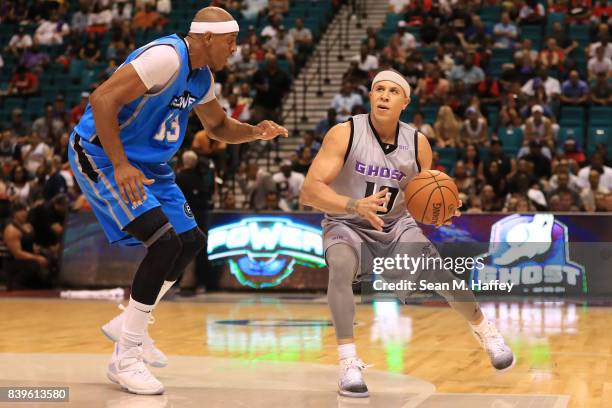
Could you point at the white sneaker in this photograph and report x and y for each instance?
(151, 354)
(351, 382)
(127, 369)
(501, 356)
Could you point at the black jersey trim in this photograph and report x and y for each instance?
(350, 143)
(384, 146)
(416, 150)
(182, 37)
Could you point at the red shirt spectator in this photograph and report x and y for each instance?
(23, 82)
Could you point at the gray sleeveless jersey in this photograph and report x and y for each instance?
(370, 166)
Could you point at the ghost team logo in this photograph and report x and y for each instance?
(532, 252)
(262, 251)
(187, 210)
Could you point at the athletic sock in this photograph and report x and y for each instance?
(347, 351)
(134, 324)
(480, 327)
(165, 288)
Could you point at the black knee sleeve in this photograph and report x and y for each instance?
(163, 248)
(193, 241)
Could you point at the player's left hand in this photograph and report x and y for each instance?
(267, 130)
(449, 221)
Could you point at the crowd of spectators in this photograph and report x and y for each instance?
(496, 129)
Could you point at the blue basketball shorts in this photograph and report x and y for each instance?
(95, 175)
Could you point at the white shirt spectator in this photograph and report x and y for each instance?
(596, 66)
(551, 86)
(398, 5)
(103, 18)
(343, 104)
(527, 11)
(501, 28)
(20, 42)
(51, 33)
(164, 6)
(605, 180)
(587, 196)
(408, 41)
(269, 31)
(369, 64)
(574, 183)
(253, 7)
(594, 46)
(293, 184)
(122, 14)
(34, 158)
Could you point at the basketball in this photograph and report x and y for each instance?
(431, 197)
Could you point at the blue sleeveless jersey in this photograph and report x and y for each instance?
(152, 127)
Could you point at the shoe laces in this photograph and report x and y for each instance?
(132, 357)
(352, 367)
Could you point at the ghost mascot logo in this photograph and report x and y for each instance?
(532, 252)
(262, 251)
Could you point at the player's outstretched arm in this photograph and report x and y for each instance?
(225, 129)
(120, 89)
(326, 166)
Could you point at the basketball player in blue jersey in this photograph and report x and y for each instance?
(358, 179)
(135, 122)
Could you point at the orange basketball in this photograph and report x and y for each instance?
(431, 197)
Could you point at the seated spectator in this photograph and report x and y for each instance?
(532, 12)
(449, 39)
(26, 267)
(122, 11)
(34, 59)
(49, 127)
(496, 154)
(90, 52)
(148, 19)
(345, 101)
(412, 70)
(597, 163)
(552, 57)
(594, 187)
(80, 19)
(270, 84)
(270, 31)
(235, 109)
(435, 162)
(424, 128)
(509, 115)
(19, 42)
(599, 64)
(35, 153)
(366, 62)
(601, 91)
(19, 126)
(100, 19)
(272, 202)
(280, 7)
(325, 124)
(466, 183)
(246, 66)
(551, 85)
(474, 129)
(563, 41)
(563, 185)
(538, 128)
(471, 160)
(443, 61)
(447, 128)
(505, 32)
(429, 31)
(496, 179)
(255, 183)
(459, 96)
(282, 46)
(213, 149)
(477, 34)
(308, 141)
(394, 52)
(407, 39)
(488, 91)
(303, 161)
(47, 218)
(52, 31)
(23, 82)
(563, 167)
(77, 111)
(303, 40)
(574, 90)
(526, 54)
(605, 43)
(489, 201)
(56, 182)
(18, 189)
(433, 88)
(469, 73)
(288, 184)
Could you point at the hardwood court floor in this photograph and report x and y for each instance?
(564, 353)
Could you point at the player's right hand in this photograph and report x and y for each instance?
(131, 183)
(368, 207)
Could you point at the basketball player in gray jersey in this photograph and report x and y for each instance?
(358, 180)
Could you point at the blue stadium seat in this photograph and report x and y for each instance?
(571, 116)
(13, 103)
(511, 137)
(598, 135)
(430, 113)
(600, 116)
(567, 132)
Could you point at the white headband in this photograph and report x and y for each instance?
(393, 77)
(217, 27)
